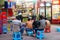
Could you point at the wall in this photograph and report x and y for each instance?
(1, 2)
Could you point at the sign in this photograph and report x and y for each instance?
(55, 2)
(9, 0)
(46, 0)
(59, 2)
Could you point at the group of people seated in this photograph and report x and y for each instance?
(34, 25)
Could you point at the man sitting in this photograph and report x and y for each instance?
(29, 24)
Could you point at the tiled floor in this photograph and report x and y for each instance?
(48, 36)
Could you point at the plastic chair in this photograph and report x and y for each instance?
(30, 33)
(40, 34)
(5, 30)
(58, 29)
(17, 36)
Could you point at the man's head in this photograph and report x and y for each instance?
(41, 17)
(43, 14)
(46, 19)
(29, 18)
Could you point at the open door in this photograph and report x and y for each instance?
(48, 11)
(42, 9)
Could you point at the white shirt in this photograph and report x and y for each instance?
(16, 22)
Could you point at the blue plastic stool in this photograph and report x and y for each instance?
(17, 36)
(58, 29)
(40, 34)
(30, 33)
(5, 29)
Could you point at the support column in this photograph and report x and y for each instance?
(38, 5)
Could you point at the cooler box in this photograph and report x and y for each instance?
(5, 28)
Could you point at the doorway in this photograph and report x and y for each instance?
(46, 10)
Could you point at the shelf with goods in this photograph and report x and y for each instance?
(56, 11)
(48, 13)
(56, 14)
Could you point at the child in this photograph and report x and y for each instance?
(47, 28)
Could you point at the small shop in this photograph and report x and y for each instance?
(55, 12)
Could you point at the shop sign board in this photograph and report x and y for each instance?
(54, 2)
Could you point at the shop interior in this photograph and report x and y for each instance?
(50, 10)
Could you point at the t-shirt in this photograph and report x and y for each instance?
(16, 25)
(42, 24)
(16, 22)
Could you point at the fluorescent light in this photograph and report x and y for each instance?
(42, 4)
(55, 2)
(48, 4)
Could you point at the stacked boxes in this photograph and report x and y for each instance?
(0, 28)
(4, 21)
(17, 36)
(0, 24)
(4, 28)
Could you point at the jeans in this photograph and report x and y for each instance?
(22, 30)
(27, 29)
(35, 29)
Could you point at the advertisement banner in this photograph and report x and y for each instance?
(54, 2)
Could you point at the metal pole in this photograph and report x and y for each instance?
(34, 10)
(51, 12)
(45, 8)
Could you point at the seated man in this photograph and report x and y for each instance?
(29, 25)
(42, 23)
(16, 25)
(36, 24)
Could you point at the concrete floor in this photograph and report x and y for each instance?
(48, 36)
